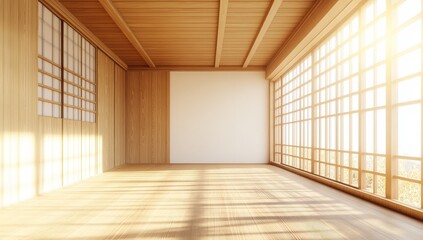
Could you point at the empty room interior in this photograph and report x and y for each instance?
(211, 119)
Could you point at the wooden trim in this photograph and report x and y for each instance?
(223, 11)
(391, 183)
(78, 86)
(387, 203)
(198, 68)
(80, 76)
(49, 61)
(78, 108)
(79, 97)
(271, 121)
(49, 88)
(49, 101)
(325, 16)
(49, 74)
(168, 117)
(67, 16)
(273, 10)
(120, 22)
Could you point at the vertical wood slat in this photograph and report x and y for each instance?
(421, 121)
(105, 114)
(119, 116)
(144, 132)
(147, 119)
(27, 88)
(10, 119)
(313, 115)
(390, 115)
(2, 55)
(132, 115)
(361, 104)
(271, 121)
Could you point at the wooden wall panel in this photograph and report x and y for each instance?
(89, 150)
(40, 154)
(119, 116)
(105, 113)
(27, 87)
(2, 28)
(72, 151)
(147, 121)
(50, 153)
(18, 54)
(132, 127)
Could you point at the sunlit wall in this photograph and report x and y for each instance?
(351, 109)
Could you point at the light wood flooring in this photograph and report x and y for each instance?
(202, 202)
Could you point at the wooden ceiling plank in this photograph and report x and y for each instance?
(223, 11)
(264, 27)
(120, 22)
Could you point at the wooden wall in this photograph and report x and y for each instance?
(18, 98)
(106, 111)
(120, 75)
(111, 112)
(147, 117)
(40, 154)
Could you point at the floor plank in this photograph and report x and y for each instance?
(202, 202)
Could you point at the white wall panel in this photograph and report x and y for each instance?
(218, 117)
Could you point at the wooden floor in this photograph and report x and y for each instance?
(202, 202)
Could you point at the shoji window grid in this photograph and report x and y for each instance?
(407, 100)
(73, 71)
(296, 116)
(361, 79)
(278, 121)
(49, 63)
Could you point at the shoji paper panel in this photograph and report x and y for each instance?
(106, 111)
(88, 83)
(49, 63)
(147, 119)
(119, 116)
(72, 45)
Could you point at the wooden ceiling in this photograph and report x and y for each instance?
(169, 33)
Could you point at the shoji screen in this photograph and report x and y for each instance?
(88, 88)
(366, 104)
(278, 121)
(79, 76)
(72, 78)
(337, 105)
(296, 116)
(407, 101)
(49, 63)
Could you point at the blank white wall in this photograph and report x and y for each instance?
(218, 117)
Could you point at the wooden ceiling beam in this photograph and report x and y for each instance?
(223, 12)
(190, 68)
(120, 22)
(273, 10)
